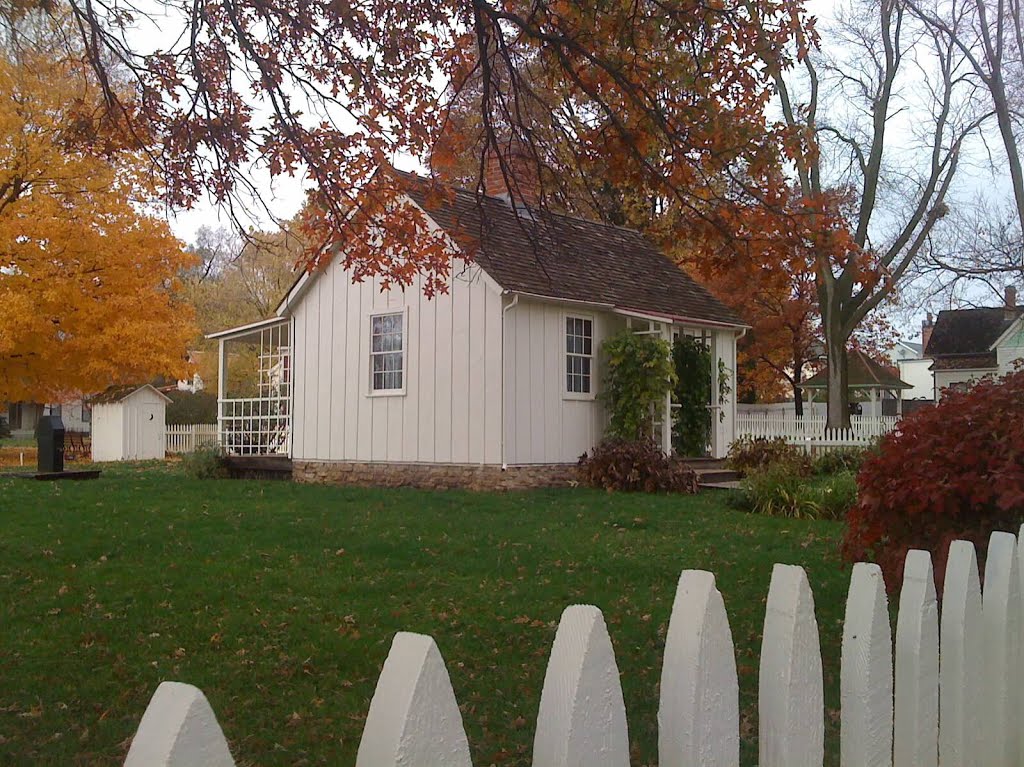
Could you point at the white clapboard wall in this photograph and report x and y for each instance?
(963, 672)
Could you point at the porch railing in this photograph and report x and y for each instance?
(255, 426)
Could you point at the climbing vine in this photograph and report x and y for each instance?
(724, 387)
(691, 422)
(639, 375)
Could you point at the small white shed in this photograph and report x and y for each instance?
(128, 424)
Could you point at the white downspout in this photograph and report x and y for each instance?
(504, 373)
(222, 374)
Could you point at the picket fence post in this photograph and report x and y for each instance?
(179, 729)
(791, 724)
(960, 659)
(582, 717)
(916, 720)
(414, 719)
(698, 714)
(1001, 621)
(865, 677)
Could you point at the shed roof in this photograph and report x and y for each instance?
(863, 373)
(564, 257)
(120, 393)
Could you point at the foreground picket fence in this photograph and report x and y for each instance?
(811, 433)
(186, 438)
(893, 698)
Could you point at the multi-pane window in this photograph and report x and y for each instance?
(387, 352)
(579, 355)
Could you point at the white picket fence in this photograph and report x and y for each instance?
(810, 432)
(893, 701)
(186, 438)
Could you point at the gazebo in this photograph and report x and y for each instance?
(865, 377)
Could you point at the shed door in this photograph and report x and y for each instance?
(149, 431)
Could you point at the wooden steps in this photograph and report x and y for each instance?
(713, 474)
(259, 466)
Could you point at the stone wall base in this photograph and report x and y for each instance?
(434, 476)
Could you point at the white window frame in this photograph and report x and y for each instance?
(404, 313)
(576, 395)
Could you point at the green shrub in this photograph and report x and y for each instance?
(206, 462)
(634, 465)
(751, 454)
(847, 459)
(188, 408)
(834, 496)
(776, 491)
(773, 491)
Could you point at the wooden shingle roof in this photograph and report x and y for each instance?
(569, 258)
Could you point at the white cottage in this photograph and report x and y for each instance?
(128, 424)
(495, 384)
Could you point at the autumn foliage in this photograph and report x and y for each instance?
(955, 471)
(667, 96)
(87, 282)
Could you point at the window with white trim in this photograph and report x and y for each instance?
(579, 355)
(387, 352)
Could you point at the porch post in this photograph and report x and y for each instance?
(666, 421)
(723, 412)
(222, 377)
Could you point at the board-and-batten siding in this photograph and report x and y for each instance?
(451, 409)
(542, 424)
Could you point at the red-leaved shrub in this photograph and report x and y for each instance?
(634, 465)
(955, 471)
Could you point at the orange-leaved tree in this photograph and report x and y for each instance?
(87, 281)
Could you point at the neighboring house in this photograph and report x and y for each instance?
(914, 368)
(502, 372)
(195, 383)
(22, 417)
(903, 350)
(969, 344)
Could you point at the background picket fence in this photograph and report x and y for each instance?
(186, 438)
(810, 431)
(893, 699)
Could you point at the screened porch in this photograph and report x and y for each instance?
(254, 388)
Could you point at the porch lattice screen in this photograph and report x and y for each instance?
(255, 411)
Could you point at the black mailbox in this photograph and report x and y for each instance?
(50, 439)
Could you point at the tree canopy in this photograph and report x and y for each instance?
(88, 283)
(669, 93)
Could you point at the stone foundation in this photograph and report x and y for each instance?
(434, 476)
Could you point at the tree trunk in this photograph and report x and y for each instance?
(838, 375)
(997, 88)
(798, 392)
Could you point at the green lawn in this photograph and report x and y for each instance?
(280, 602)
